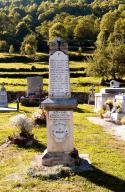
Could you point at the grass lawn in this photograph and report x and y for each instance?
(76, 84)
(106, 153)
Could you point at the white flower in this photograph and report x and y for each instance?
(22, 122)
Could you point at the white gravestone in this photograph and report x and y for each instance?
(60, 126)
(35, 85)
(120, 100)
(59, 108)
(3, 97)
(105, 94)
(59, 85)
(100, 99)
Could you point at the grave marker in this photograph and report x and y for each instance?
(59, 107)
(3, 97)
(35, 85)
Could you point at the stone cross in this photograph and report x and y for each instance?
(59, 107)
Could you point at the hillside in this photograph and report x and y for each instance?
(77, 21)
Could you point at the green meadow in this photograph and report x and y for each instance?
(106, 154)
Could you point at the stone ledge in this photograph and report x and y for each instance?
(59, 104)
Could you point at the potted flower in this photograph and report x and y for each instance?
(118, 107)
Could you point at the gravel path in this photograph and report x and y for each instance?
(116, 130)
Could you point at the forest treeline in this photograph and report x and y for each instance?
(30, 24)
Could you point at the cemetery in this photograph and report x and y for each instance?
(72, 140)
(62, 96)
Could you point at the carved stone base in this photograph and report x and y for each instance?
(52, 159)
(72, 159)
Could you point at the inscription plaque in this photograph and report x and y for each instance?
(59, 85)
(60, 130)
(60, 115)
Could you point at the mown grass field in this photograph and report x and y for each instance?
(106, 153)
(81, 83)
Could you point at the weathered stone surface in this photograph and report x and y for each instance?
(59, 85)
(3, 97)
(106, 93)
(59, 104)
(35, 85)
(114, 84)
(100, 99)
(112, 90)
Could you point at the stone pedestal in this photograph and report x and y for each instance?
(116, 117)
(114, 91)
(60, 143)
(105, 94)
(121, 100)
(100, 99)
(58, 158)
(59, 106)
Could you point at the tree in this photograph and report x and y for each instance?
(57, 30)
(98, 64)
(116, 58)
(84, 31)
(22, 30)
(108, 61)
(29, 45)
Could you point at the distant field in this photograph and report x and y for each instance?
(77, 84)
(79, 81)
(24, 65)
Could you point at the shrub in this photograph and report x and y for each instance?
(23, 123)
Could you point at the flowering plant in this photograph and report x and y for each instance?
(23, 123)
(118, 107)
(39, 116)
(109, 103)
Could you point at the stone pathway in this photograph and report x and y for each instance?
(116, 130)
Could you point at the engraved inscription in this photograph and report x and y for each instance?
(60, 115)
(59, 85)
